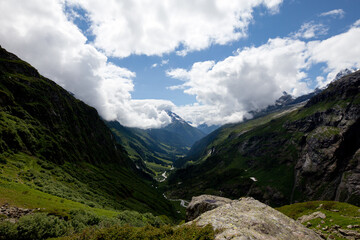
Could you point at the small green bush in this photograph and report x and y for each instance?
(127, 223)
(164, 232)
(7, 231)
(136, 219)
(3, 159)
(41, 226)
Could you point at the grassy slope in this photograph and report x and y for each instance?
(143, 147)
(340, 214)
(268, 152)
(231, 171)
(52, 142)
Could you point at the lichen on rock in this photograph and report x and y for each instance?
(250, 219)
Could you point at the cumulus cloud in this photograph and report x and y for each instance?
(253, 78)
(334, 13)
(256, 76)
(338, 52)
(310, 30)
(62, 54)
(357, 23)
(155, 27)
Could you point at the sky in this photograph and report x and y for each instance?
(209, 61)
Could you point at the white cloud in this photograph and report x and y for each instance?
(357, 23)
(254, 78)
(334, 13)
(43, 35)
(156, 27)
(338, 52)
(310, 30)
(162, 63)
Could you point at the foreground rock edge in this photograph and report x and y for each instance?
(248, 218)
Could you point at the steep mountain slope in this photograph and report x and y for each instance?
(206, 128)
(147, 152)
(302, 153)
(52, 142)
(154, 150)
(181, 128)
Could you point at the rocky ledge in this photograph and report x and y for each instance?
(12, 214)
(246, 219)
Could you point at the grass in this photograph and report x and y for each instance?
(56, 144)
(26, 172)
(337, 214)
(324, 132)
(143, 149)
(184, 232)
(21, 195)
(266, 148)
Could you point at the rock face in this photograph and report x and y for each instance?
(304, 153)
(312, 216)
(14, 213)
(329, 163)
(249, 219)
(203, 203)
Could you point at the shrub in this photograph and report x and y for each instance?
(40, 226)
(3, 159)
(164, 232)
(136, 219)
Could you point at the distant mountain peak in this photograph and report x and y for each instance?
(343, 73)
(284, 99)
(174, 117)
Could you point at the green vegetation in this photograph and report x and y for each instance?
(258, 157)
(338, 216)
(23, 176)
(146, 150)
(43, 226)
(53, 143)
(188, 232)
(229, 169)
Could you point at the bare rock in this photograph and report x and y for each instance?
(203, 203)
(250, 219)
(312, 216)
(14, 213)
(349, 233)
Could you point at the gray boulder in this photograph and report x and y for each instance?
(249, 219)
(203, 203)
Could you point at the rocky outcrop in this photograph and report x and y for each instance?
(329, 163)
(305, 153)
(312, 216)
(14, 213)
(203, 203)
(249, 219)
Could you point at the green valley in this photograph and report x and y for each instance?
(52, 143)
(67, 173)
(302, 153)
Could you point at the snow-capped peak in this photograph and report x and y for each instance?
(343, 73)
(175, 117)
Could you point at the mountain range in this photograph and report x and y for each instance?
(301, 152)
(65, 170)
(155, 150)
(54, 143)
